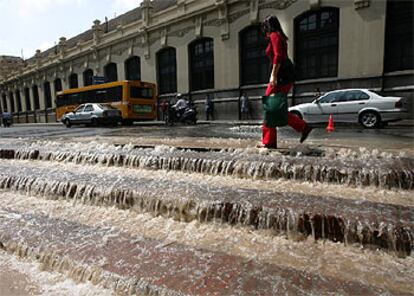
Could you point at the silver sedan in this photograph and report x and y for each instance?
(353, 105)
(93, 114)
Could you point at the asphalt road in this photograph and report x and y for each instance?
(395, 136)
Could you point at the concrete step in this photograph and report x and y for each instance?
(372, 224)
(138, 265)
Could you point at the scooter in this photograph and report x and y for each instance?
(188, 116)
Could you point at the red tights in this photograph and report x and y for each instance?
(270, 133)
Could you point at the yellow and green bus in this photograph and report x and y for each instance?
(136, 99)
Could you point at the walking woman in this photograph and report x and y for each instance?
(277, 53)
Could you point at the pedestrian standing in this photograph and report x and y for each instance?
(317, 93)
(277, 53)
(244, 107)
(209, 107)
(164, 108)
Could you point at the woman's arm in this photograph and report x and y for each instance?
(273, 75)
(277, 47)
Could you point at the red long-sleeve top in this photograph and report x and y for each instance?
(277, 52)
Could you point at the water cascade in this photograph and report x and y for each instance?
(374, 171)
(385, 226)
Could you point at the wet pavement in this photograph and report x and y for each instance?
(197, 210)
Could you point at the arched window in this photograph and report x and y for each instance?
(58, 85)
(316, 43)
(133, 68)
(88, 77)
(19, 101)
(27, 99)
(254, 63)
(47, 94)
(399, 36)
(73, 80)
(36, 101)
(111, 72)
(202, 64)
(167, 70)
(11, 97)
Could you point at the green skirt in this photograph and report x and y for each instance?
(275, 110)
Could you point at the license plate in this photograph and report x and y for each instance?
(142, 108)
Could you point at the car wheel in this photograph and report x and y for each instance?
(297, 113)
(67, 122)
(370, 119)
(94, 122)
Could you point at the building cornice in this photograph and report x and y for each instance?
(141, 30)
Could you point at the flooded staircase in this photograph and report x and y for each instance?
(168, 221)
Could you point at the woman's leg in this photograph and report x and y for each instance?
(299, 125)
(269, 136)
(296, 122)
(269, 133)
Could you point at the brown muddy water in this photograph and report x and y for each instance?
(347, 214)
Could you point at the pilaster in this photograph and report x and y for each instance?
(223, 19)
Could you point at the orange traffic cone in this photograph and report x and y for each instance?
(330, 128)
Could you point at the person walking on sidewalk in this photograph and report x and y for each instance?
(209, 107)
(244, 107)
(277, 53)
(164, 108)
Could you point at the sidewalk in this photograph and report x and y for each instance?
(404, 123)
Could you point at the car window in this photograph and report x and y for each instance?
(330, 97)
(88, 108)
(80, 108)
(354, 95)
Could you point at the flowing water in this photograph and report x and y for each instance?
(383, 171)
(345, 214)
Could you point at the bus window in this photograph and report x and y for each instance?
(141, 92)
(74, 99)
(108, 95)
(114, 94)
(91, 94)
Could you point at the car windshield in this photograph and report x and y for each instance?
(106, 107)
(79, 108)
(330, 97)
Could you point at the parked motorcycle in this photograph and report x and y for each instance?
(187, 116)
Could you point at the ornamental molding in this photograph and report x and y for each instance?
(198, 30)
(254, 11)
(163, 37)
(281, 4)
(359, 4)
(131, 48)
(108, 54)
(235, 16)
(181, 32)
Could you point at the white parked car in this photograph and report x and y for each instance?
(353, 105)
(93, 114)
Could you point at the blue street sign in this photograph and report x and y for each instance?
(98, 80)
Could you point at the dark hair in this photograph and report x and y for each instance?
(271, 24)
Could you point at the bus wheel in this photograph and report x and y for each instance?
(67, 122)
